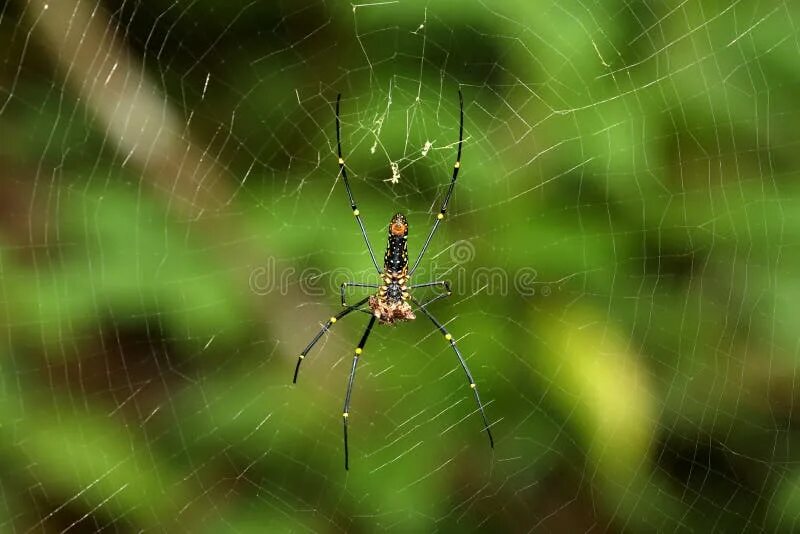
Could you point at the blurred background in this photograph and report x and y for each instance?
(621, 244)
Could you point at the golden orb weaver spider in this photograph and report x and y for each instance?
(391, 302)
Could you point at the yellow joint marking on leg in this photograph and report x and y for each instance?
(301, 356)
(356, 213)
(345, 414)
(358, 350)
(457, 165)
(472, 385)
(341, 161)
(440, 216)
(333, 319)
(448, 337)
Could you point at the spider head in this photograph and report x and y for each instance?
(399, 225)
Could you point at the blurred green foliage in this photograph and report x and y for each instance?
(640, 157)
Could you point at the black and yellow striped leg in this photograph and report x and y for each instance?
(346, 411)
(471, 380)
(343, 173)
(345, 285)
(446, 201)
(324, 329)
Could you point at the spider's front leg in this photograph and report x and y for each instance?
(345, 285)
(470, 380)
(325, 328)
(346, 410)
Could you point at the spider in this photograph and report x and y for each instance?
(391, 303)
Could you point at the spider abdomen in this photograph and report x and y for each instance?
(395, 260)
(390, 304)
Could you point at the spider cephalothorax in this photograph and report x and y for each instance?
(392, 302)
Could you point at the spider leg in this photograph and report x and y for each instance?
(471, 380)
(324, 329)
(443, 283)
(345, 285)
(434, 299)
(456, 167)
(346, 411)
(343, 173)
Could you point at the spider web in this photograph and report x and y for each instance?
(620, 244)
